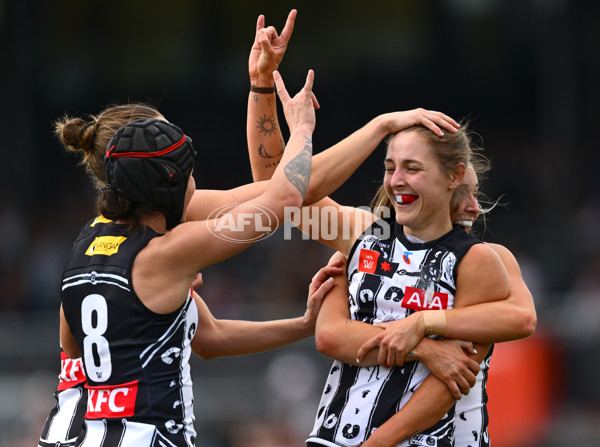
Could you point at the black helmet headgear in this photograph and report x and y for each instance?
(150, 161)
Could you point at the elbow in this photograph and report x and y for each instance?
(530, 323)
(203, 347)
(326, 341)
(527, 323)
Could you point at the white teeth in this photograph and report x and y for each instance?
(399, 200)
(464, 223)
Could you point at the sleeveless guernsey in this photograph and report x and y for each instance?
(389, 278)
(136, 362)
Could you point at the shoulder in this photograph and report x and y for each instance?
(507, 257)
(483, 275)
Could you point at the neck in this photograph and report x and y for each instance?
(429, 232)
(155, 220)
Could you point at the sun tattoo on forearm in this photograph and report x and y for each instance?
(298, 170)
(267, 125)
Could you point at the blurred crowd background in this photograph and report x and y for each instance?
(525, 72)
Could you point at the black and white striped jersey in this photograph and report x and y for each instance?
(389, 278)
(65, 420)
(136, 361)
(472, 420)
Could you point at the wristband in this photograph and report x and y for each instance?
(254, 89)
(435, 322)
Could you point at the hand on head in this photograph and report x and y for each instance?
(434, 121)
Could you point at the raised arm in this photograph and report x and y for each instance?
(330, 168)
(167, 265)
(265, 141)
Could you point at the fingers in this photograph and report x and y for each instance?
(279, 84)
(467, 346)
(332, 270)
(265, 43)
(260, 23)
(197, 282)
(474, 367)
(455, 390)
(286, 33)
(437, 120)
(366, 347)
(310, 79)
(315, 101)
(323, 289)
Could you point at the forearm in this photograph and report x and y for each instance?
(234, 337)
(493, 322)
(332, 167)
(342, 339)
(265, 141)
(429, 403)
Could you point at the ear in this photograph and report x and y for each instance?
(457, 175)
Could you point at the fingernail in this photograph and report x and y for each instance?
(357, 361)
(475, 350)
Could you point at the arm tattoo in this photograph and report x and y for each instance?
(298, 170)
(255, 97)
(410, 357)
(262, 151)
(267, 125)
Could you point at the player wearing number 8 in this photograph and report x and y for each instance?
(126, 302)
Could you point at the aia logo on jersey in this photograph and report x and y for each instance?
(418, 299)
(105, 245)
(71, 372)
(369, 262)
(111, 401)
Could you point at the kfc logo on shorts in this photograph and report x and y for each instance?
(417, 299)
(111, 401)
(367, 261)
(71, 372)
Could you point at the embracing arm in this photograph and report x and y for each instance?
(480, 278)
(220, 338)
(498, 321)
(490, 322)
(430, 402)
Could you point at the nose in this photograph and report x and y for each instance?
(473, 207)
(398, 178)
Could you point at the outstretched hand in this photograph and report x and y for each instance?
(268, 50)
(434, 121)
(320, 285)
(300, 110)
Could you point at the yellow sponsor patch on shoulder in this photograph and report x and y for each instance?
(105, 245)
(100, 219)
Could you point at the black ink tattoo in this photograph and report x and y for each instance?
(298, 170)
(263, 152)
(255, 97)
(266, 125)
(410, 357)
